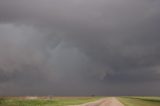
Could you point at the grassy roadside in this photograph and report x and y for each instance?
(140, 101)
(57, 101)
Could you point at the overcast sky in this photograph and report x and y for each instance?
(79, 47)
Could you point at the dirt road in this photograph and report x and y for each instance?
(104, 102)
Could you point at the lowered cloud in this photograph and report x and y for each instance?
(99, 47)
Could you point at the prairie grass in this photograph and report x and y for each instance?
(140, 101)
(56, 101)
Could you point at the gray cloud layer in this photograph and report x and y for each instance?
(79, 47)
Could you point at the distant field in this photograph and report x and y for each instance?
(55, 101)
(65, 101)
(140, 101)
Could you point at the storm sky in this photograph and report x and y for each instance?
(79, 47)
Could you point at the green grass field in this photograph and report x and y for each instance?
(65, 101)
(56, 101)
(140, 101)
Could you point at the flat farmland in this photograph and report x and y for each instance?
(45, 101)
(140, 101)
(80, 101)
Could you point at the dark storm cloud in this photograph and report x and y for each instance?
(95, 45)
